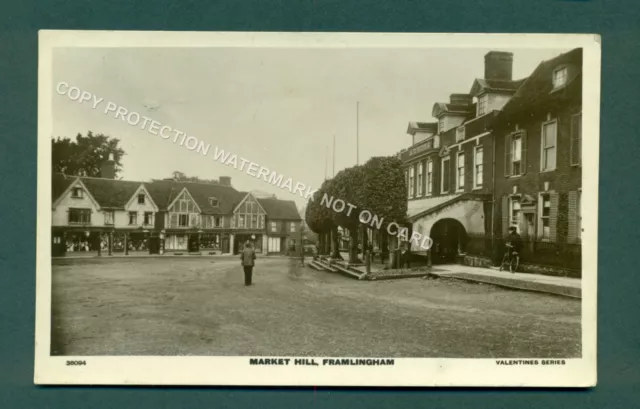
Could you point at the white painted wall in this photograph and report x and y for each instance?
(452, 121)
(497, 101)
(60, 216)
(469, 212)
(421, 136)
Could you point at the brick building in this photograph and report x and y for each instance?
(449, 167)
(538, 182)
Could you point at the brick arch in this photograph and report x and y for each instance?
(449, 237)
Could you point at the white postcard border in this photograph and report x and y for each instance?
(217, 370)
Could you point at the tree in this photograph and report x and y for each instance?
(347, 187)
(85, 155)
(182, 177)
(385, 194)
(319, 218)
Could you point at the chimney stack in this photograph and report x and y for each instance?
(460, 99)
(498, 65)
(225, 180)
(108, 168)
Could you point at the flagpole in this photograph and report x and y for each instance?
(333, 160)
(357, 132)
(326, 154)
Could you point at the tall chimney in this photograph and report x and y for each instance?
(108, 168)
(498, 65)
(225, 180)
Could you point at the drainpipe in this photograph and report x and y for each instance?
(493, 195)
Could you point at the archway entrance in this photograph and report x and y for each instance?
(449, 238)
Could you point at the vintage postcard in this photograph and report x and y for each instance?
(321, 209)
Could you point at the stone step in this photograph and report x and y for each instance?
(349, 271)
(315, 265)
(325, 266)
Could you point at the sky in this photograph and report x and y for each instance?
(280, 108)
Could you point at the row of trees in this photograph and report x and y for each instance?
(378, 187)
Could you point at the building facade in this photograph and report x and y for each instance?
(449, 167)
(505, 154)
(103, 215)
(538, 163)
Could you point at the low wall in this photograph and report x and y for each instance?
(479, 261)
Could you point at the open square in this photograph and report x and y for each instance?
(199, 306)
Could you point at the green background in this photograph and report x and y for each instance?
(619, 275)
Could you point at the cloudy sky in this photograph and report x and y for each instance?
(278, 107)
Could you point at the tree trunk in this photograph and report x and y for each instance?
(335, 243)
(393, 246)
(320, 243)
(353, 246)
(325, 243)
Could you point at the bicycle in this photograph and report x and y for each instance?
(510, 259)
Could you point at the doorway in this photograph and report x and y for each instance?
(449, 239)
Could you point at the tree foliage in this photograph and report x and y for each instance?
(182, 177)
(85, 155)
(317, 216)
(385, 190)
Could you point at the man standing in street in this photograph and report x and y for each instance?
(247, 257)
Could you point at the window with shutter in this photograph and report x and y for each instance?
(523, 153)
(548, 151)
(446, 177)
(507, 155)
(505, 216)
(576, 139)
(544, 217)
(553, 216)
(572, 233)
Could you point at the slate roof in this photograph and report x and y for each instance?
(114, 194)
(538, 90)
(280, 209)
(163, 192)
(481, 84)
(111, 193)
(422, 126)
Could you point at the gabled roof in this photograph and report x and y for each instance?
(164, 193)
(538, 89)
(110, 193)
(278, 209)
(244, 198)
(59, 184)
(481, 85)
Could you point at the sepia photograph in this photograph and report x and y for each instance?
(329, 209)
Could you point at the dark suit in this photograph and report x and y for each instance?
(247, 257)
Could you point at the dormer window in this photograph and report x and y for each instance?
(440, 125)
(460, 134)
(559, 77)
(141, 198)
(77, 192)
(213, 202)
